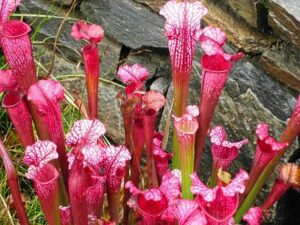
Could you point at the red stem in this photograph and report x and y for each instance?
(181, 82)
(77, 193)
(127, 114)
(127, 118)
(149, 120)
(46, 187)
(215, 70)
(278, 189)
(13, 185)
(138, 137)
(260, 162)
(91, 62)
(293, 127)
(20, 117)
(47, 114)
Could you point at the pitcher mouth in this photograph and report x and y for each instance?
(14, 29)
(11, 99)
(52, 175)
(225, 218)
(216, 64)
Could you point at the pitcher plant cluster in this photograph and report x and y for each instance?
(80, 179)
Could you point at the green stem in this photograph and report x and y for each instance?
(257, 187)
(187, 165)
(214, 176)
(262, 179)
(63, 195)
(175, 158)
(255, 172)
(181, 93)
(13, 183)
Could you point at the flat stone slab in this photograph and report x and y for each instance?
(253, 12)
(240, 34)
(153, 4)
(161, 84)
(157, 62)
(284, 18)
(64, 2)
(128, 22)
(67, 46)
(283, 64)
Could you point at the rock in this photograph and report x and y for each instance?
(252, 11)
(156, 61)
(153, 4)
(239, 15)
(246, 9)
(130, 23)
(64, 2)
(67, 46)
(110, 114)
(283, 64)
(284, 18)
(109, 107)
(63, 67)
(161, 84)
(250, 97)
(237, 31)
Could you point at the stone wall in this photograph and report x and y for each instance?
(268, 31)
(270, 28)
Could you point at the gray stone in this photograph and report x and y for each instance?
(282, 62)
(252, 11)
(272, 95)
(130, 23)
(62, 66)
(110, 114)
(284, 18)
(109, 108)
(157, 62)
(238, 32)
(67, 46)
(161, 84)
(246, 9)
(64, 2)
(153, 4)
(234, 17)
